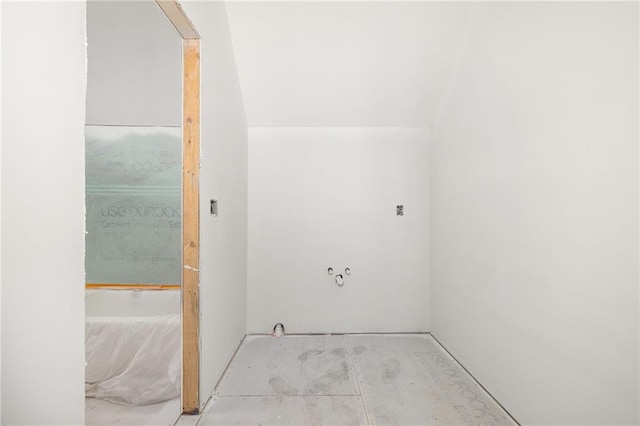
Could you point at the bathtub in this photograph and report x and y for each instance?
(132, 345)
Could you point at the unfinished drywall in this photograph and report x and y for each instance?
(344, 63)
(327, 197)
(535, 211)
(135, 65)
(0, 233)
(43, 107)
(223, 176)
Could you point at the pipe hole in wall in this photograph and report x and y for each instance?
(278, 330)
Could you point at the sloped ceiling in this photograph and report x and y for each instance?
(134, 72)
(344, 63)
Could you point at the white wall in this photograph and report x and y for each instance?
(0, 228)
(135, 65)
(535, 211)
(43, 104)
(321, 197)
(344, 63)
(223, 257)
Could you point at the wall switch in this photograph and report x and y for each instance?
(214, 207)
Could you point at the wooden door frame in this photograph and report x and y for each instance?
(190, 286)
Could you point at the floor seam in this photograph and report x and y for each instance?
(209, 402)
(357, 375)
(468, 373)
(228, 368)
(284, 395)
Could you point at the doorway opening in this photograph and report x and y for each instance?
(142, 220)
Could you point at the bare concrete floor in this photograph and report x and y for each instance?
(348, 380)
(371, 379)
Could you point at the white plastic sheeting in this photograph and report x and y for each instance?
(133, 360)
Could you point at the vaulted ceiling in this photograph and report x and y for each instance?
(345, 63)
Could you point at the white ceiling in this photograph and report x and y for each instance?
(344, 63)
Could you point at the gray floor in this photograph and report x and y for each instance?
(373, 379)
(103, 413)
(348, 380)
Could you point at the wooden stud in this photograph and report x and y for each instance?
(191, 228)
(178, 18)
(190, 205)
